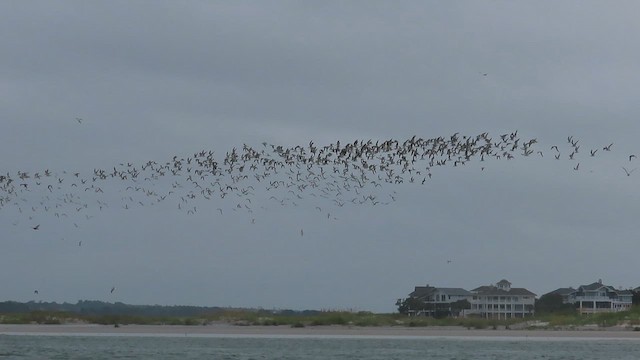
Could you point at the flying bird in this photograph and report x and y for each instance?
(113, 289)
(628, 172)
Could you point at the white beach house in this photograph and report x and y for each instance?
(501, 301)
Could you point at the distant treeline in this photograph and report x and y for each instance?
(100, 308)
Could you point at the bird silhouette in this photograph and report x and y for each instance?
(628, 172)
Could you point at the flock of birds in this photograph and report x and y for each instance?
(247, 179)
(334, 175)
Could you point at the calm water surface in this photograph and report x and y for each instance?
(240, 348)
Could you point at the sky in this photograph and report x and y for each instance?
(150, 80)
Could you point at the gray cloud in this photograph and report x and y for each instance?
(156, 79)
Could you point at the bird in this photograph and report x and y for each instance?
(628, 172)
(35, 292)
(631, 157)
(301, 232)
(36, 227)
(113, 289)
(79, 120)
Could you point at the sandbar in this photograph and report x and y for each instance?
(342, 331)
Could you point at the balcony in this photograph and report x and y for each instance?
(607, 299)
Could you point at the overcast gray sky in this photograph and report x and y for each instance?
(156, 79)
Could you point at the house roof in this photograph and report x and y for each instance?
(594, 286)
(492, 290)
(454, 291)
(562, 291)
(422, 291)
(503, 282)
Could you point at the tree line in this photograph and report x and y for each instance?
(99, 308)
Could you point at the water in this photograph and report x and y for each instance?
(311, 348)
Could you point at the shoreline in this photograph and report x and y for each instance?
(324, 331)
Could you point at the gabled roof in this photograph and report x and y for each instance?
(503, 281)
(594, 286)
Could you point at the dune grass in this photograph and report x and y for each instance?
(630, 318)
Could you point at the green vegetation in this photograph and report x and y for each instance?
(553, 304)
(441, 310)
(554, 317)
(630, 318)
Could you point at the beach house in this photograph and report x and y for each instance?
(598, 297)
(501, 301)
(439, 301)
